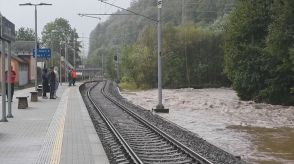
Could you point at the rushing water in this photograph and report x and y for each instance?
(259, 133)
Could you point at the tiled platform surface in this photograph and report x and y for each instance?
(51, 131)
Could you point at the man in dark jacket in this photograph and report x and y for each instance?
(69, 77)
(52, 82)
(45, 83)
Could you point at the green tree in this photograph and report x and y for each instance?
(280, 44)
(54, 36)
(193, 57)
(258, 50)
(245, 41)
(202, 57)
(25, 34)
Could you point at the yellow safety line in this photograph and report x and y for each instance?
(56, 152)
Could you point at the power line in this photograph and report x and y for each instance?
(129, 11)
(89, 16)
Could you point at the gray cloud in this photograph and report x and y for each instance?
(68, 9)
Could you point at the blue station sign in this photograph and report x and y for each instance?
(43, 53)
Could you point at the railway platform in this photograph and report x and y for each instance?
(51, 131)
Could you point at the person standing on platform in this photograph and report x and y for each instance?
(69, 77)
(74, 76)
(12, 81)
(45, 83)
(57, 80)
(52, 82)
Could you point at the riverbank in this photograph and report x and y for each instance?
(259, 133)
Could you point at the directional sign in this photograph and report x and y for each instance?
(43, 53)
(7, 29)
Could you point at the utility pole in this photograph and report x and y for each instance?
(65, 60)
(36, 50)
(52, 51)
(102, 66)
(185, 43)
(159, 107)
(74, 44)
(117, 66)
(3, 87)
(60, 59)
(7, 35)
(9, 115)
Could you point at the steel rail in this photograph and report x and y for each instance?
(184, 148)
(125, 145)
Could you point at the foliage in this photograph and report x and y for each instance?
(120, 31)
(189, 53)
(54, 36)
(25, 34)
(258, 42)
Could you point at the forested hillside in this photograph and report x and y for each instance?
(120, 34)
(118, 30)
(206, 43)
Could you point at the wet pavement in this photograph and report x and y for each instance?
(259, 133)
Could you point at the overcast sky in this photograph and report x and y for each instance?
(23, 16)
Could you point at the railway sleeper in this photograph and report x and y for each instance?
(121, 160)
(159, 147)
(125, 162)
(144, 138)
(154, 149)
(149, 143)
(167, 160)
(158, 152)
(174, 156)
(117, 150)
(143, 132)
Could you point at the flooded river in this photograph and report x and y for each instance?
(259, 133)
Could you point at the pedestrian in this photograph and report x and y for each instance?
(52, 82)
(74, 76)
(69, 77)
(45, 83)
(57, 80)
(12, 81)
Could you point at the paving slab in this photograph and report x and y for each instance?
(50, 131)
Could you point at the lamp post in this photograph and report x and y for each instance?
(36, 36)
(60, 60)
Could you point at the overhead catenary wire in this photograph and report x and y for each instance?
(155, 20)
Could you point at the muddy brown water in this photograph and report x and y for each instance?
(274, 145)
(259, 133)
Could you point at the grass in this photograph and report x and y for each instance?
(131, 86)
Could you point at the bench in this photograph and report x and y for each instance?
(22, 102)
(34, 96)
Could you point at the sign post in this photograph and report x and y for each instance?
(42, 53)
(7, 35)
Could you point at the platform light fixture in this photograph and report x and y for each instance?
(36, 36)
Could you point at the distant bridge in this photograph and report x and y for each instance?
(90, 72)
(88, 69)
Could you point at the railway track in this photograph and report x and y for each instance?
(131, 138)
